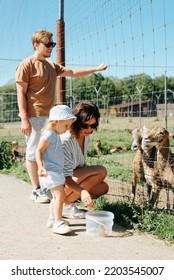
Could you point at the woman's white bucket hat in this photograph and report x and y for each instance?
(61, 112)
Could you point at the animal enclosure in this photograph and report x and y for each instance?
(111, 132)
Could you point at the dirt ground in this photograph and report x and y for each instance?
(24, 236)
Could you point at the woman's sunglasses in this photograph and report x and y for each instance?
(86, 125)
(49, 44)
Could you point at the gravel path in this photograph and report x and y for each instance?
(24, 236)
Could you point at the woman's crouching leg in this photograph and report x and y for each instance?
(90, 178)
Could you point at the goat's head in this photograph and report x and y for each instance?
(14, 145)
(156, 137)
(98, 144)
(137, 138)
(145, 133)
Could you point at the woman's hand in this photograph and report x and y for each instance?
(86, 198)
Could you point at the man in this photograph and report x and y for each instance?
(35, 82)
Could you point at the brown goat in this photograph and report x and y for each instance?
(137, 166)
(143, 165)
(115, 149)
(99, 147)
(151, 172)
(17, 152)
(159, 137)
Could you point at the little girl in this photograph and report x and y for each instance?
(50, 161)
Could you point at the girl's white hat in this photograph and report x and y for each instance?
(61, 112)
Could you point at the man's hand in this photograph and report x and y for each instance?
(26, 127)
(102, 67)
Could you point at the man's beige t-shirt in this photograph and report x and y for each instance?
(40, 75)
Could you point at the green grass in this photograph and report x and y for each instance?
(130, 215)
(140, 217)
(116, 169)
(118, 164)
(17, 170)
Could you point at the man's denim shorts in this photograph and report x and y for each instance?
(32, 141)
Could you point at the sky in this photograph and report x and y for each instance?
(130, 36)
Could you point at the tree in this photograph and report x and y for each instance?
(128, 87)
(93, 87)
(8, 88)
(133, 85)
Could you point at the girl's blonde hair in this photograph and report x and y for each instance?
(51, 125)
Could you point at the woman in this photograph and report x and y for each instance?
(85, 182)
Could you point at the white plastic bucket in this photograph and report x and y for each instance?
(99, 223)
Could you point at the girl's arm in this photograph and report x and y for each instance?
(43, 144)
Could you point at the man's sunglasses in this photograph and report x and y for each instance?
(86, 125)
(49, 44)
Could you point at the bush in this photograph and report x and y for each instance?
(5, 155)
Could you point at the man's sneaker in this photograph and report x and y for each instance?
(50, 222)
(73, 212)
(61, 228)
(39, 196)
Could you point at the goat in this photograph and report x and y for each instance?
(115, 149)
(137, 166)
(143, 165)
(151, 172)
(159, 137)
(17, 152)
(98, 147)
